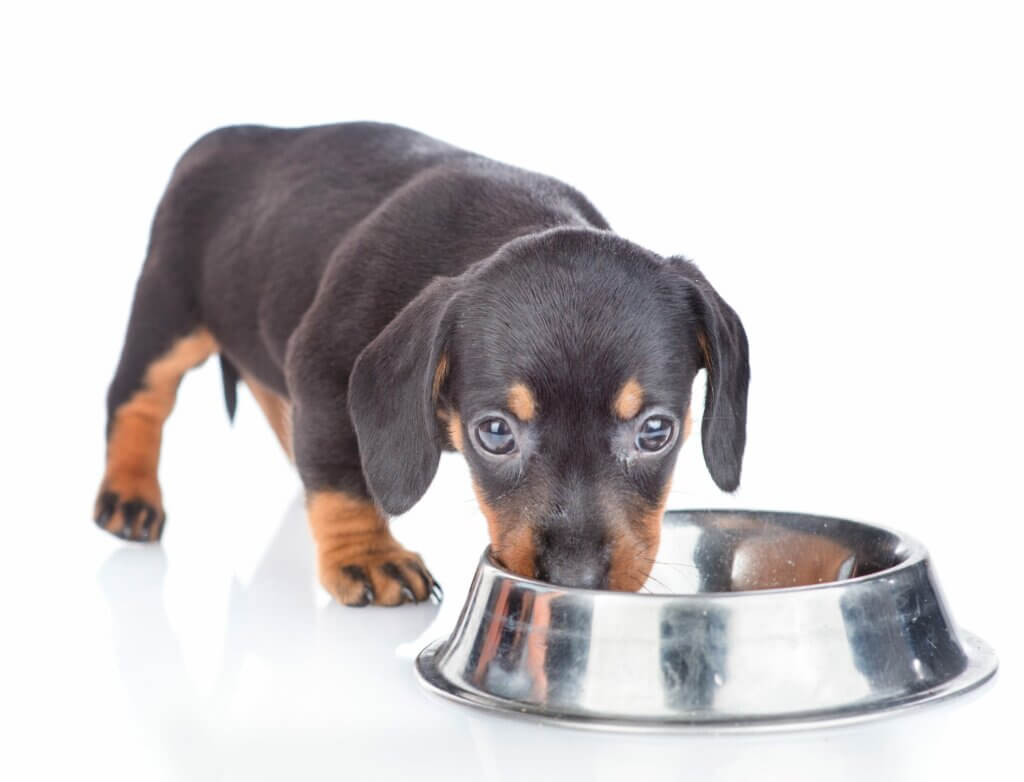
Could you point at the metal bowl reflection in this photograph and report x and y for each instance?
(749, 619)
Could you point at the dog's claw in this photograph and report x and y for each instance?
(391, 570)
(105, 510)
(436, 592)
(365, 598)
(356, 573)
(150, 530)
(130, 511)
(428, 580)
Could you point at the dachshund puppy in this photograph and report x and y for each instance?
(385, 296)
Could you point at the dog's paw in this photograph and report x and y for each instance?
(389, 578)
(130, 509)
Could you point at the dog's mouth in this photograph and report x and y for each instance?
(575, 573)
(502, 560)
(614, 555)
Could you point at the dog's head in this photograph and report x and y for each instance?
(561, 368)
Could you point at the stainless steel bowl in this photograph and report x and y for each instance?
(749, 619)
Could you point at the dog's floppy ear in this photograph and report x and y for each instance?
(723, 352)
(392, 400)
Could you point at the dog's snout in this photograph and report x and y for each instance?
(580, 574)
(572, 560)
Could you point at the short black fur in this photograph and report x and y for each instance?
(335, 265)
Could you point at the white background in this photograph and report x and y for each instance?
(849, 176)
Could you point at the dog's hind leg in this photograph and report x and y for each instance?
(165, 339)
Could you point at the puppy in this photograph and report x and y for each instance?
(386, 296)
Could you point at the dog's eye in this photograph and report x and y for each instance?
(654, 434)
(495, 435)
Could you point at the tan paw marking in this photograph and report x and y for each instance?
(358, 561)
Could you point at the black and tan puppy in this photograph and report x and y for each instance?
(385, 296)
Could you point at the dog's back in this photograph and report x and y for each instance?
(256, 220)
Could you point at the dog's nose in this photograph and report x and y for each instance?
(580, 571)
(571, 542)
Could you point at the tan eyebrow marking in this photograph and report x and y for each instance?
(629, 399)
(521, 402)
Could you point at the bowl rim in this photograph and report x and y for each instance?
(981, 668)
(914, 551)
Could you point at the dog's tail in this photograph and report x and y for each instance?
(230, 376)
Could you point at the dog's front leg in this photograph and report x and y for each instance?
(359, 561)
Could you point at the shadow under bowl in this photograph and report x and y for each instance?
(750, 619)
